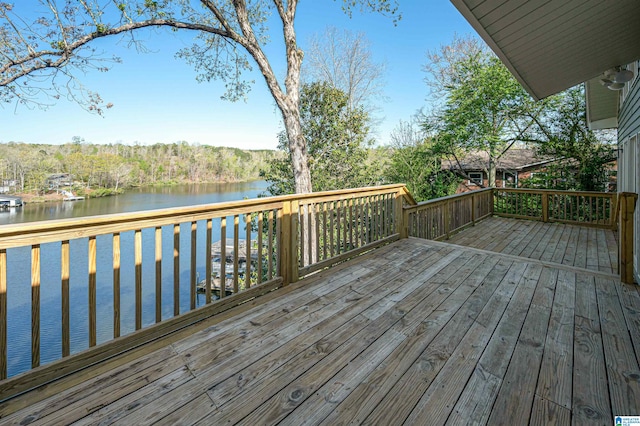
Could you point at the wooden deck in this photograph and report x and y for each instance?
(417, 332)
(584, 247)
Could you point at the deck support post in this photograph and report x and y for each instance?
(627, 201)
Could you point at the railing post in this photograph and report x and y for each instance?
(545, 206)
(627, 201)
(284, 257)
(402, 222)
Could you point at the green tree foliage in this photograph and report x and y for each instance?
(415, 163)
(562, 132)
(229, 37)
(483, 107)
(336, 142)
(120, 166)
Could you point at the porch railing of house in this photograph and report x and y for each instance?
(264, 244)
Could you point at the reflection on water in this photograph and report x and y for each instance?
(148, 198)
(19, 268)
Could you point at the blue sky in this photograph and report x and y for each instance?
(157, 99)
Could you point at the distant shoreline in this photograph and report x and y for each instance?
(29, 198)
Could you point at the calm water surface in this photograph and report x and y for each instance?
(18, 268)
(135, 200)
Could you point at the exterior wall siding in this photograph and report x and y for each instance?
(629, 161)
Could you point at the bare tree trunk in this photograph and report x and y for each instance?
(492, 172)
(298, 152)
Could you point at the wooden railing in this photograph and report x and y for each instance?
(437, 219)
(581, 208)
(95, 287)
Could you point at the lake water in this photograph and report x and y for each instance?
(135, 200)
(18, 268)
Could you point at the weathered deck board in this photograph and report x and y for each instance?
(590, 248)
(417, 332)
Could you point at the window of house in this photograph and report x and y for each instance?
(475, 177)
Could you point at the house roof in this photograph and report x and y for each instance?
(550, 46)
(512, 160)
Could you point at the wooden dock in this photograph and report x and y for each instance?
(416, 332)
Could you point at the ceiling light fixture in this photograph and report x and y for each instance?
(615, 78)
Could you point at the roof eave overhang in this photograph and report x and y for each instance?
(552, 46)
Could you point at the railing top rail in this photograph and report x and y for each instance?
(449, 197)
(55, 230)
(556, 191)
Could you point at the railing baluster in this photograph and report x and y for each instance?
(236, 254)
(3, 314)
(223, 257)
(176, 269)
(351, 218)
(207, 267)
(137, 249)
(325, 241)
(116, 285)
(92, 290)
(316, 221)
(343, 214)
(302, 255)
(158, 264)
(192, 269)
(64, 278)
(279, 219)
(260, 248)
(310, 227)
(332, 228)
(35, 305)
(247, 272)
(270, 245)
(339, 223)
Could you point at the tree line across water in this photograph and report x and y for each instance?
(27, 168)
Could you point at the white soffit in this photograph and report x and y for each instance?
(602, 106)
(551, 45)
